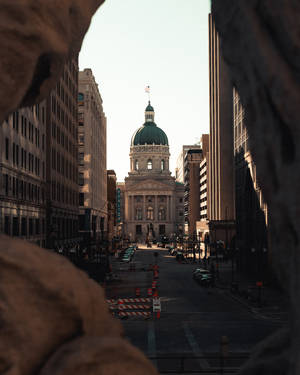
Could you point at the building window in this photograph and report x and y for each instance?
(136, 165)
(149, 164)
(81, 199)
(81, 158)
(161, 213)
(162, 229)
(6, 148)
(180, 200)
(162, 165)
(80, 99)
(24, 226)
(15, 226)
(150, 213)
(138, 214)
(30, 227)
(138, 229)
(6, 183)
(81, 179)
(37, 226)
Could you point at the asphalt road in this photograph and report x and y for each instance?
(193, 319)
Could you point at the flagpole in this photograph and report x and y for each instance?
(147, 89)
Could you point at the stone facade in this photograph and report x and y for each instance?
(23, 174)
(61, 155)
(221, 213)
(91, 159)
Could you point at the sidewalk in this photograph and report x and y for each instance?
(266, 300)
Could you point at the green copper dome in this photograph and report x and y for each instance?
(149, 108)
(149, 133)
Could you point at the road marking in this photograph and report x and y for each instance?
(151, 342)
(195, 347)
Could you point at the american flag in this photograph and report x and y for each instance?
(147, 89)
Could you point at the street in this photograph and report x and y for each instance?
(193, 318)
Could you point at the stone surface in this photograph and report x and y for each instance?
(260, 41)
(45, 303)
(95, 356)
(36, 37)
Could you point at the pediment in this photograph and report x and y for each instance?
(150, 185)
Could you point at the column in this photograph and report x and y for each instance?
(155, 208)
(168, 208)
(144, 207)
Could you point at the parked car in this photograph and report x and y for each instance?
(179, 256)
(173, 252)
(170, 249)
(206, 280)
(199, 272)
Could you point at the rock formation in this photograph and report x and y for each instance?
(36, 38)
(260, 42)
(54, 319)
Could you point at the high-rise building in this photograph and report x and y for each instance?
(23, 174)
(153, 199)
(221, 211)
(92, 160)
(111, 206)
(251, 210)
(202, 224)
(61, 160)
(191, 189)
(179, 170)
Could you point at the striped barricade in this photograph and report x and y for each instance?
(124, 307)
(135, 313)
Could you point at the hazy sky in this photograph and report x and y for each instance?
(160, 43)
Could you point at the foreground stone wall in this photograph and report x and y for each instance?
(54, 319)
(261, 44)
(36, 38)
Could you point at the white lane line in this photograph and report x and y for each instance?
(195, 347)
(151, 342)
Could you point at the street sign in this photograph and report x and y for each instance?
(156, 305)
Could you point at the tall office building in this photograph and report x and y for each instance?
(251, 209)
(221, 213)
(22, 174)
(192, 162)
(92, 160)
(202, 224)
(179, 169)
(61, 160)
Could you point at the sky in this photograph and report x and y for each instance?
(161, 43)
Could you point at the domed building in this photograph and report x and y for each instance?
(154, 204)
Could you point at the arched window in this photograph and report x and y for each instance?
(149, 164)
(150, 213)
(136, 165)
(162, 165)
(162, 213)
(138, 213)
